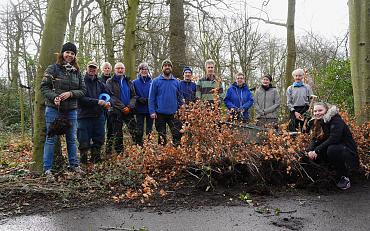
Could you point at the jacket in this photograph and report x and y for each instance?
(298, 96)
(188, 90)
(336, 131)
(115, 90)
(58, 80)
(88, 105)
(239, 98)
(142, 88)
(266, 103)
(165, 96)
(205, 89)
(103, 78)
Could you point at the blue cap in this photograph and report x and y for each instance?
(187, 69)
(104, 96)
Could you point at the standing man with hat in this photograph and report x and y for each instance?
(187, 86)
(91, 116)
(165, 98)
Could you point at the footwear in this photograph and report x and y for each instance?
(49, 176)
(83, 156)
(344, 183)
(77, 169)
(95, 155)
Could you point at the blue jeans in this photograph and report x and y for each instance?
(91, 130)
(50, 115)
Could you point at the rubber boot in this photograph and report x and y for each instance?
(83, 155)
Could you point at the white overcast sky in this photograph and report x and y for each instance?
(328, 18)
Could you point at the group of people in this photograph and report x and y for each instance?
(93, 104)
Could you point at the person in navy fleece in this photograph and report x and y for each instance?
(165, 98)
(122, 111)
(188, 87)
(142, 85)
(239, 99)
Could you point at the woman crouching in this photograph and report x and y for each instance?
(332, 142)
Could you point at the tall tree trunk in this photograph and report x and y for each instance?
(177, 36)
(52, 40)
(291, 47)
(359, 30)
(129, 51)
(106, 9)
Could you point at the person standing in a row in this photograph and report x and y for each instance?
(165, 98)
(187, 86)
(61, 86)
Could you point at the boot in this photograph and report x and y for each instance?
(95, 155)
(83, 155)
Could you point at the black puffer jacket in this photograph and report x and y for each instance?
(336, 131)
(58, 80)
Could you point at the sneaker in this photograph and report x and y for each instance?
(344, 183)
(77, 169)
(49, 176)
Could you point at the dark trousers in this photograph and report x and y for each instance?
(142, 119)
(342, 159)
(175, 127)
(294, 124)
(91, 132)
(115, 135)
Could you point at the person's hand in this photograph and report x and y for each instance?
(57, 101)
(65, 95)
(101, 102)
(298, 116)
(106, 105)
(153, 116)
(126, 110)
(312, 155)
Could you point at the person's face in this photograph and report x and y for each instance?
(69, 56)
(210, 69)
(298, 77)
(92, 70)
(144, 71)
(119, 70)
(106, 70)
(188, 75)
(239, 80)
(167, 69)
(319, 111)
(265, 81)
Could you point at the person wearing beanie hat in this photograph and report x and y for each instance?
(62, 86)
(267, 102)
(166, 61)
(69, 47)
(187, 86)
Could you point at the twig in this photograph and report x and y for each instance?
(193, 174)
(117, 228)
(309, 177)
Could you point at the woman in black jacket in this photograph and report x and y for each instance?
(332, 141)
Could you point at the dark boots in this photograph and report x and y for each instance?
(95, 155)
(83, 155)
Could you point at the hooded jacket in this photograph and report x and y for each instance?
(239, 98)
(336, 131)
(58, 80)
(266, 103)
(142, 87)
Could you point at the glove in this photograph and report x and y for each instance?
(142, 100)
(126, 110)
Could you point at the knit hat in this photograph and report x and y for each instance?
(268, 76)
(69, 47)
(187, 69)
(166, 61)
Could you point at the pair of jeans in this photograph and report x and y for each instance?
(142, 119)
(50, 115)
(175, 127)
(91, 132)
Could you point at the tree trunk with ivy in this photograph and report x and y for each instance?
(359, 31)
(129, 52)
(52, 40)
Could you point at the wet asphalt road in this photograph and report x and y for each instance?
(349, 210)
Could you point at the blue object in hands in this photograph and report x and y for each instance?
(104, 96)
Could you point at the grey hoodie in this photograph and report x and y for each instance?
(267, 103)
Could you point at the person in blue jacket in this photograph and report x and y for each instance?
(91, 116)
(239, 99)
(187, 86)
(165, 98)
(142, 86)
